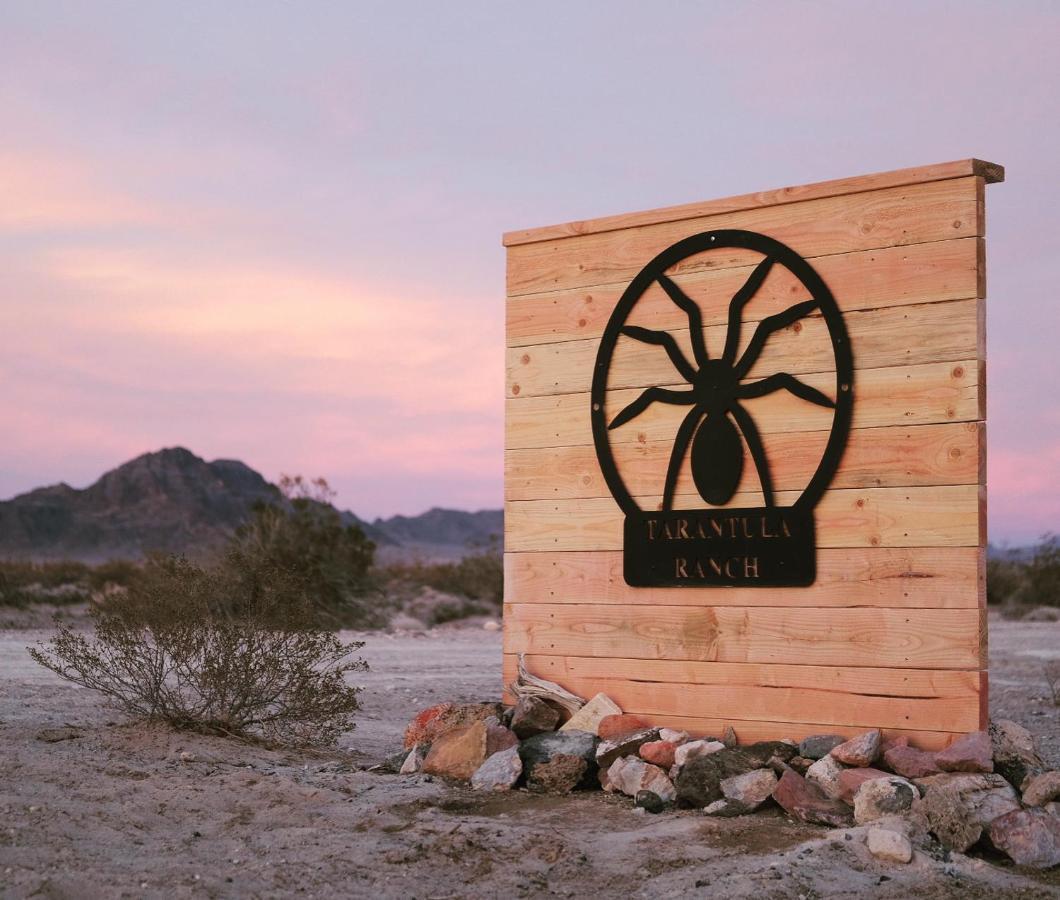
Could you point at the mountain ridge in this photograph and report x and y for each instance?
(173, 501)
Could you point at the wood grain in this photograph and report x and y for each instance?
(942, 516)
(935, 211)
(869, 697)
(926, 394)
(913, 577)
(989, 172)
(871, 279)
(909, 335)
(897, 456)
(882, 638)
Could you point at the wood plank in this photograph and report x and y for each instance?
(910, 335)
(942, 516)
(990, 172)
(935, 211)
(868, 697)
(914, 577)
(921, 394)
(897, 456)
(871, 279)
(882, 638)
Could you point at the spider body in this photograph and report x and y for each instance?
(711, 431)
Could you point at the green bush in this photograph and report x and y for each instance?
(222, 650)
(306, 537)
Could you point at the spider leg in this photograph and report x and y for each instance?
(650, 396)
(765, 328)
(695, 318)
(677, 455)
(782, 380)
(739, 300)
(758, 452)
(665, 341)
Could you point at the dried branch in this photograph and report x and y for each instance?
(528, 685)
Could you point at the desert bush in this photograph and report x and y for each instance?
(306, 537)
(478, 576)
(61, 582)
(1031, 582)
(222, 650)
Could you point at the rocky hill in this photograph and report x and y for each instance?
(177, 502)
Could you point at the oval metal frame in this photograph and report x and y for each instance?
(699, 243)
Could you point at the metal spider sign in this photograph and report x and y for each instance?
(768, 546)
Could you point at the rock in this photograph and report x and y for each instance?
(726, 808)
(433, 722)
(889, 743)
(499, 738)
(589, 716)
(805, 801)
(500, 772)
(627, 745)
(630, 775)
(616, 726)
(692, 749)
(852, 779)
(971, 753)
(186, 756)
(532, 716)
(887, 796)
(659, 753)
(800, 764)
(958, 806)
(1053, 808)
(825, 775)
(1014, 754)
(889, 845)
(699, 779)
(1031, 837)
(457, 753)
(491, 625)
(560, 775)
(817, 746)
(1040, 789)
(728, 737)
(650, 802)
(910, 762)
(542, 747)
(414, 760)
(859, 751)
(751, 789)
(674, 736)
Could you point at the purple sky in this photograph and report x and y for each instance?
(271, 231)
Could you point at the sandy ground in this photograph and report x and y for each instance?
(114, 811)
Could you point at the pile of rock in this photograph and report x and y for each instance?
(962, 795)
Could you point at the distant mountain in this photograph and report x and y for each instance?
(176, 502)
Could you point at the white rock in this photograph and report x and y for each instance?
(751, 789)
(630, 775)
(673, 736)
(413, 762)
(588, 717)
(889, 845)
(825, 774)
(890, 796)
(695, 748)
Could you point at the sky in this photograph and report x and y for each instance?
(271, 231)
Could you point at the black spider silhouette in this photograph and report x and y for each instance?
(717, 389)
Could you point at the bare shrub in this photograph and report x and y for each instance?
(222, 650)
(1052, 678)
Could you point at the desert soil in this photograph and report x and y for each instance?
(112, 809)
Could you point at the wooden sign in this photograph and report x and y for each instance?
(745, 458)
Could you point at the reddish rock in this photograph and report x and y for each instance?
(859, 751)
(661, 753)
(1031, 837)
(457, 753)
(971, 753)
(805, 801)
(433, 722)
(532, 716)
(1039, 790)
(910, 762)
(499, 738)
(851, 779)
(612, 727)
(889, 743)
(728, 737)
(560, 775)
